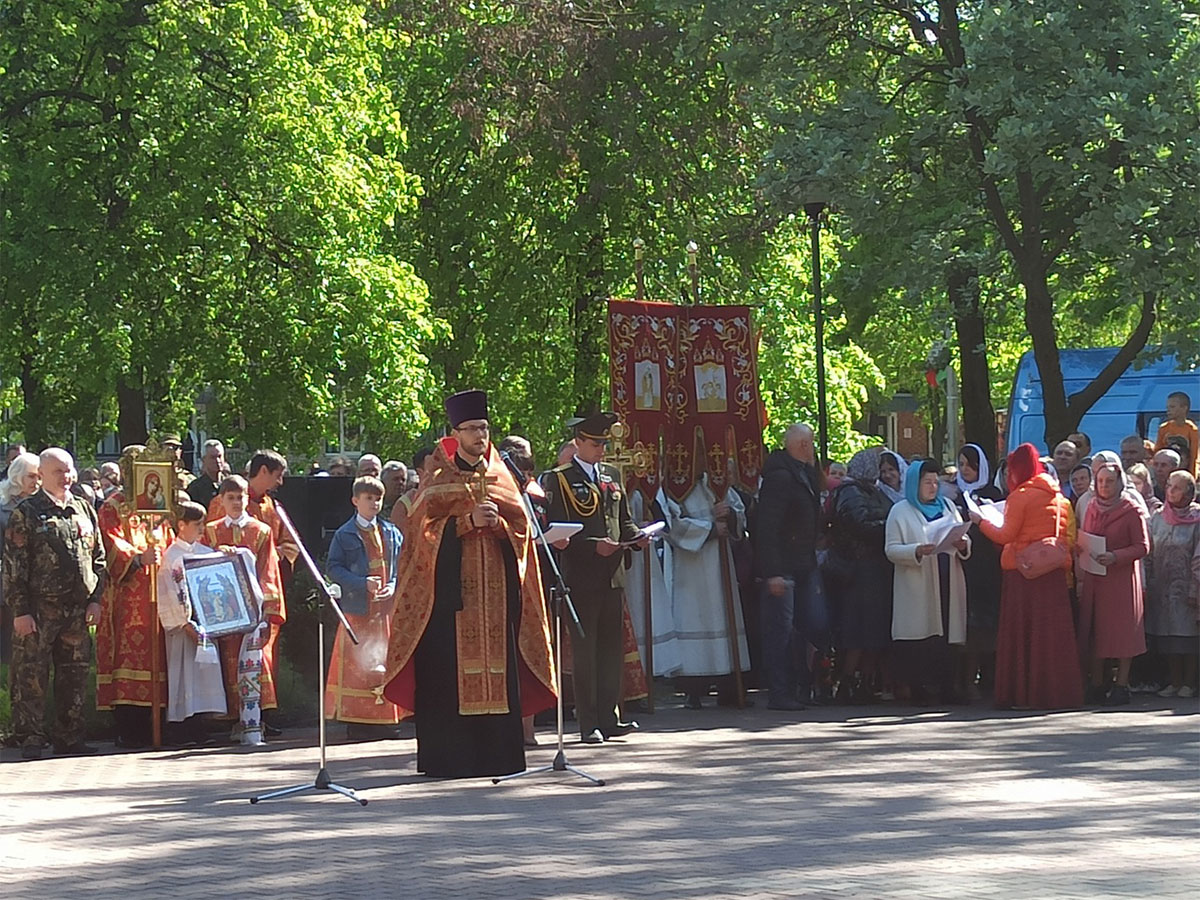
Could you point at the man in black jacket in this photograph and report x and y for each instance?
(785, 544)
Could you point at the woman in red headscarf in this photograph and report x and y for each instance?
(1037, 666)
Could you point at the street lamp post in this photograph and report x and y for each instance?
(814, 208)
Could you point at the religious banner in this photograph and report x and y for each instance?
(643, 349)
(685, 382)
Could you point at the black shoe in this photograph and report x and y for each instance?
(693, 702)
(31, 751)
(594, 738)
(79, 748)
(621, 729)
(363, 731)
(1118, 696)
(271, 730)
(1096, 695)
(791, 705)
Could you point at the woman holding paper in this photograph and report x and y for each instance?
(982, 572)
(929, 608)
(1036, 662)
(1110, 591)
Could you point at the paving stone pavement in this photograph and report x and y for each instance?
(835, 802)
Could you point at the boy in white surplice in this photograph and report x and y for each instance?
(193, 668)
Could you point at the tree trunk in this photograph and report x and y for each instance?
(1039, 320)
(975, 388)
(937, 423)
(131, 412)
(35, 418)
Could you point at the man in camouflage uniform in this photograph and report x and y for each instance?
(589, 492)
(53, 574)
(174, 443)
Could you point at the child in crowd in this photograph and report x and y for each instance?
(1177, 424)
(362, 561)
(242, 655)
(192, 667)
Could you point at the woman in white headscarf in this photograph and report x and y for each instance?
(976, 664)
(1173, 583)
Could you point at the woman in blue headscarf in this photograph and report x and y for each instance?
(929, 605)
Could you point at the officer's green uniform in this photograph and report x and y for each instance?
(595, 581)
(53, 568)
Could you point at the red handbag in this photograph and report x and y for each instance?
(1037, 559)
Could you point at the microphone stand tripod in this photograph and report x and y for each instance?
(560, 596)
(323, 782)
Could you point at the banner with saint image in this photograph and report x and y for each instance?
(685, 381)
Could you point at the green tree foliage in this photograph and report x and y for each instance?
(194, 194)
(1063, 135)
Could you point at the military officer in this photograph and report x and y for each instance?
(588, 491)
(174, 443)
(53, 573)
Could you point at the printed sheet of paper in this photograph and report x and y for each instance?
(1091, 545)
(654, 529)
(944, 534)
(561, 531)
(992, 513)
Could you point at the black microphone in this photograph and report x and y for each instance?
(518, 476)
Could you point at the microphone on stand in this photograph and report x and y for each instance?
(518, 476)
(525, 484)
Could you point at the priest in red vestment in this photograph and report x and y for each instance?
(125, 632)
(470, 647)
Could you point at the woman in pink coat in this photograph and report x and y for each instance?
(1110, 605)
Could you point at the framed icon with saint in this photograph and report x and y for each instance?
(223, 591)
(150, 483)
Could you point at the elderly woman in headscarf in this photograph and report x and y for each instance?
(1036, 663)
(1110, 605)
(1173, 583)
(929, 591)
(891, 474)
(982, 571)
(1099, 461)
(858, 517)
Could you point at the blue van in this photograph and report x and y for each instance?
(1135, 404)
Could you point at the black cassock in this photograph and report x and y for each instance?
(450, 745)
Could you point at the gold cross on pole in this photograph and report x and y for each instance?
(623, 458)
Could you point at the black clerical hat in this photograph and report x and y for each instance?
(596, 427)
(465, 406)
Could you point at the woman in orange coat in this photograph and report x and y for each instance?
(1036, 662)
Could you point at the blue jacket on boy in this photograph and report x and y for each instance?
(347, 563)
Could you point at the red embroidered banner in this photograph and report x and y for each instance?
(685, 381)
